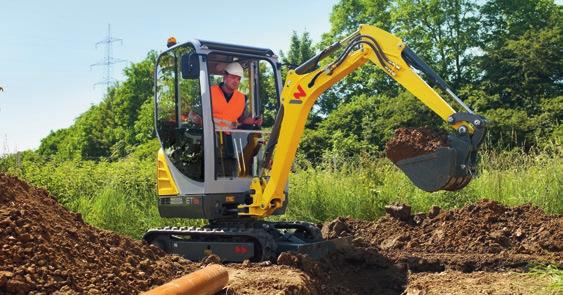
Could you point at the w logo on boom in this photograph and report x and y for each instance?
(298, 95)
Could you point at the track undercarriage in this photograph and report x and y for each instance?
(239, 240)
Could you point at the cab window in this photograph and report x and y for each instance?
(178, 114)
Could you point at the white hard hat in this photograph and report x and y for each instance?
(234, 68)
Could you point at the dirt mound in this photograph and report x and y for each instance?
(412, 142)
(261, 279)
(482, 236)
(47, 248)
(500, 283)
(357, 270)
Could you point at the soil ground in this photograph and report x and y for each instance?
(45, 249)
(500, 283)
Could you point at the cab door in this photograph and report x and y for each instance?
(179, 118)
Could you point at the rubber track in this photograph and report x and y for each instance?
(272, 227)
(260, 237)
(263, 233)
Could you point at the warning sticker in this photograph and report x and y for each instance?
(193, 201)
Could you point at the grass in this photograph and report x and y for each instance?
(515, 179)
(361, 189)
(120, 196)
(553, 273)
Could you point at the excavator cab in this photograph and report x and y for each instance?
(207, 167)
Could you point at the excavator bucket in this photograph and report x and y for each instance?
(448, 168)
(436, 171)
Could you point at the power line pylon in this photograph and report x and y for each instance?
(109, 59)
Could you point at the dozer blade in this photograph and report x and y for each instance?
(448, 168)
(317, 250)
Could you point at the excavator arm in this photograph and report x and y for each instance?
(453, 166)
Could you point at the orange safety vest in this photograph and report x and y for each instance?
(226, 111)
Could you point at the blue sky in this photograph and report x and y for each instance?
(47, 47)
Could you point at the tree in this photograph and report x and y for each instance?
(144, 126)
(109, 130)
(300, 49)
(364, 125)
(347, 15)
(520, 87)
(54, 143)
(132, 94)
(509, 19)
(525, 70)
(444, 33)
(345, 18)
(522, 56)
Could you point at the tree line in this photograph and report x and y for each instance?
(504, 58)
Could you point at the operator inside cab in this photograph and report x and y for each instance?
(230, 112)
(229, 104)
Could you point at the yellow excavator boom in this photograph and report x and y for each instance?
(306, 83)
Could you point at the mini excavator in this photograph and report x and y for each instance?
(236, 177)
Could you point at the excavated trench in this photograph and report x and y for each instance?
(46, 249)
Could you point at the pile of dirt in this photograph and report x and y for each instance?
(46, 248)
(357, 270)
(481, 236)
(413, 142)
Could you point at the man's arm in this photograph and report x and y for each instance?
(246, 117)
